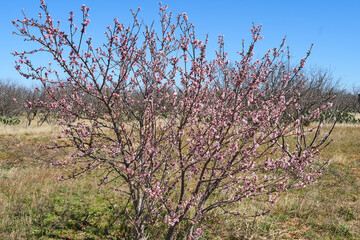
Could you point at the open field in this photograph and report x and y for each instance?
(35, 205)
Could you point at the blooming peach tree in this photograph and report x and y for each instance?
(182, 137)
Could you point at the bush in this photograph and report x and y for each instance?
(202, 135)
(10, 120)
(340, 117)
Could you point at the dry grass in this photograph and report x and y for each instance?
(328, 210)
(23, 129)
(34, 204)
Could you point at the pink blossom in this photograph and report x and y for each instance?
(167, 129)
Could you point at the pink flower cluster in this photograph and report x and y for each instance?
(181, 135)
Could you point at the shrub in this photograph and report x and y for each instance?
(10, 120)
(340, 117)
(222, 140)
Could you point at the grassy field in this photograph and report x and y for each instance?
(35, 205)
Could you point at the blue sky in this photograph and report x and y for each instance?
(332, 25)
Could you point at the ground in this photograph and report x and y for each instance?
(34, 204)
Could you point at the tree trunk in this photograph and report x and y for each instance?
(170, 233)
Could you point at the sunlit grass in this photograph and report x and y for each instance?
(35, 205)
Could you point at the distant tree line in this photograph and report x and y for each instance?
(17, 100)
(319, 89)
